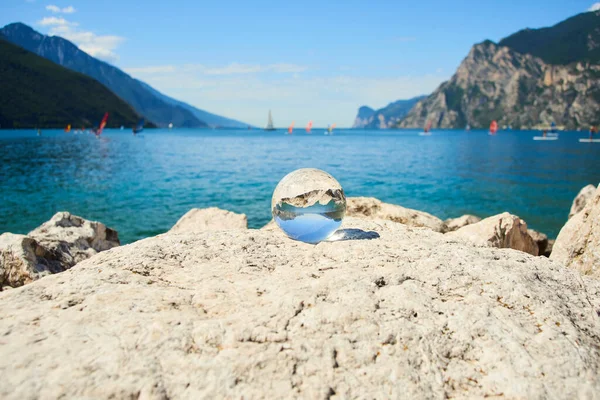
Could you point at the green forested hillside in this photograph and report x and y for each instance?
(35, 92)
(576, 39)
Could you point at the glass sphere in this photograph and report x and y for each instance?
(308, 205)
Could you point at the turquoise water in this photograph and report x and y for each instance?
(142, 185)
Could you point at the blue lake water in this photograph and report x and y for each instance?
(142, 185)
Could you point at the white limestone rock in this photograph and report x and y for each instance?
(503, 231)
(453, 224)
(23, 260)
(578, 242)
(249, 313)
(372, 208)
(584, 195)
(72, 239)
(209, 219)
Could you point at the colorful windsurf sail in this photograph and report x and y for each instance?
(493, 127)
(98, 131)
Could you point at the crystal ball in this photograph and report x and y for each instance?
(308, 205)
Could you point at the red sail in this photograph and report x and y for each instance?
(428, 127)
(493, 127)
(102, 124)
(309, 127)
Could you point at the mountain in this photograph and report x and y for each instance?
(211, 119)
(145, 100)
(528, 79)
(386, 117)
(39, 93)
(364, 117)
(576, 39)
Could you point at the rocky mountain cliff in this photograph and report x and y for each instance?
(386, 117)
(150, 103)
(364, 116)
(498, 82)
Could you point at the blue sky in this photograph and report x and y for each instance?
(308, 60)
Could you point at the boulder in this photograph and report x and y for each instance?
(581, 199)
(503, 231)
(541, 239)
(452, 224)
(72, 239)
(209, 219)
(23, 260)
(372, 208)
(578, 242)
(409, 313)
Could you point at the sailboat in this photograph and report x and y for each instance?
(309, 127)
(426, 131)
(493, 127)
(139, 126)
(68, 128)
(101, 126)
(170, 125)
(330, 129)
(291, 128)
(270, 126)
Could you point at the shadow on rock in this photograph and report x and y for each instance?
(352, 234)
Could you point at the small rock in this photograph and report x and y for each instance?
(23, 260)
(503, 231)
(584, 195)
(452, 224)
(209, 219)
(372, 208)
(541, 239)
(72, 239)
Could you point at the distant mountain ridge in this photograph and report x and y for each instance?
(386, 117)
(531, 78)
(37, 93)
(145, 100)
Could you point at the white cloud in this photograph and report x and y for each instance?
(594, 7)
(102, 47)
(230, 69)
(293, 96)
(54, 21)
(236, 68)
(57, 9)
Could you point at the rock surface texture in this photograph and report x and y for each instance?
(23, 260)
(582, 198)
(503, 231)
(578, 242)
(73, 239)
(372, 208)
(452, 224)
(53, 247)
(541, 239)
(209, 219)
(252, 314)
